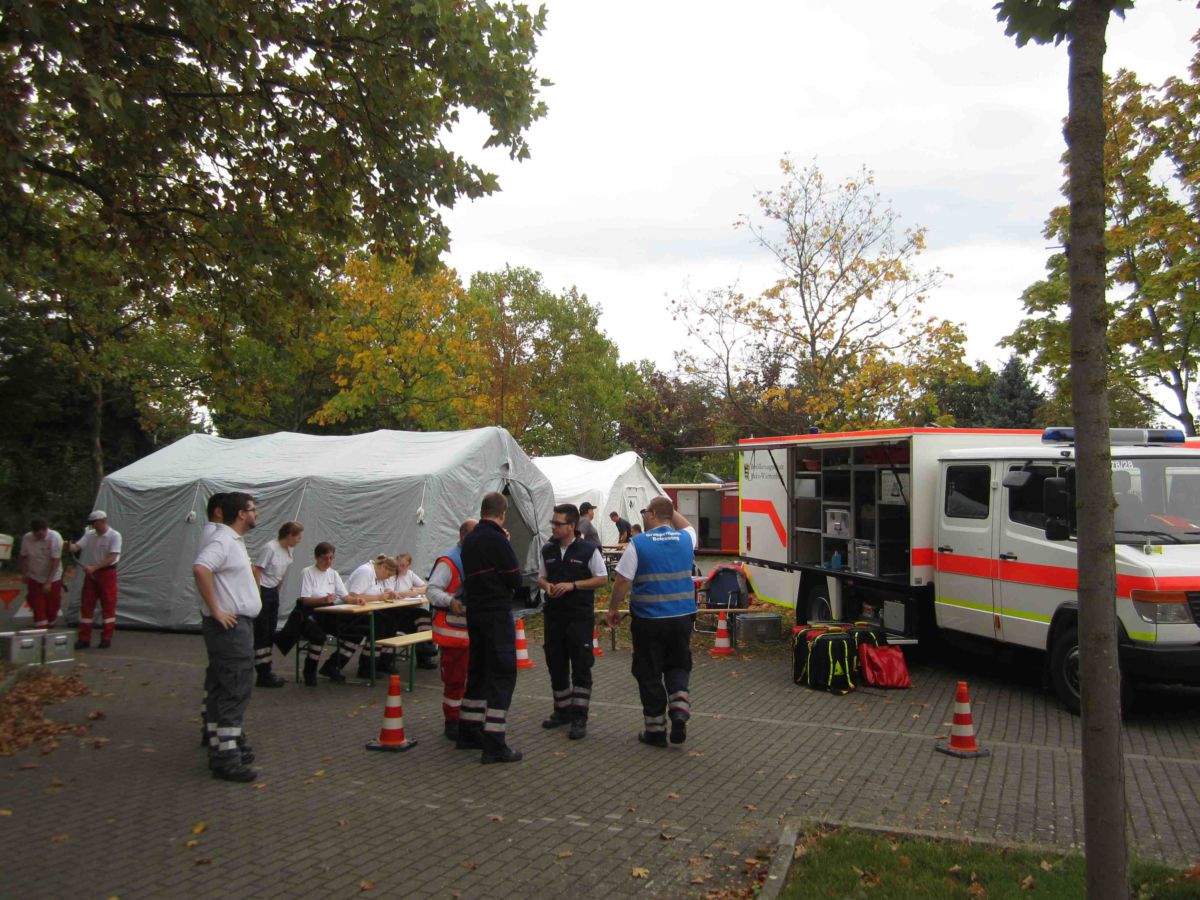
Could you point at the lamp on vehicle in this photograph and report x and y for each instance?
(1162, 607)
(1119, 436)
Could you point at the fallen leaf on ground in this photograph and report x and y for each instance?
(366, 885)
(260, 785)
(29, 765)
(563, 854)
(639, 872)
(204, 862)
(342, 823)
(1046, 866)
(667, 837)
(96, 715)
(697, 879)
(5, 812)
(955, 870)
(496, 818)
(1027, 883)
(320, 773)
(59, 839)
(695, 753)
(468, 864)
(750, 806)
(199, 827)
(192, 843)
(674, 795)
(1192, 873)
(98, 743)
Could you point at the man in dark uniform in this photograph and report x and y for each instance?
(622, 525)
(569, 571)
(491, 576)
(657, 566)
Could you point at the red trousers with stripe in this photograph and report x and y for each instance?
(454, 680)
(102, 586)
(44, 603)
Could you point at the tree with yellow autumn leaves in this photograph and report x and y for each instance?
(840, 340)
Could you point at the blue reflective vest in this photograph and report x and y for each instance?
(663, 586)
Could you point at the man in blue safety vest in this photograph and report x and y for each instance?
(655, 573)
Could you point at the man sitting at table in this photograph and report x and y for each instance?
(320, 585)
(408, 583)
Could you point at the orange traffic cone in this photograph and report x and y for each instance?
(722, 647)
(523, 660)
(962, 732)
(391, 732)
(596, 651)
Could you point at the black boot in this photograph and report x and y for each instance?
(451, 730)
(267, 678)
(332, 669)
(228, 767)
(310, 673)
(556, 719)
(578, 730)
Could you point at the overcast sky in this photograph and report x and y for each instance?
(666, 117)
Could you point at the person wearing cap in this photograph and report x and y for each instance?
(99, 550)
(623, 527)
(586, 529)
(655, 573)
(40, 564)
(569, 571)
(230, 603)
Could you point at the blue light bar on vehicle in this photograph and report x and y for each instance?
(1119, 436)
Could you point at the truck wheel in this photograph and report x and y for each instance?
(1064, 673)
(817, 606)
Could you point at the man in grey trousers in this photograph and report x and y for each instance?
(225, 579)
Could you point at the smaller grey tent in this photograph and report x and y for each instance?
(382, 492)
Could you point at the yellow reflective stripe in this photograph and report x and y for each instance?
(965, 604)
(1144, 636)
(988, 608)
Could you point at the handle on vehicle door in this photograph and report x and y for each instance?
(1010, 557)
(945, 549)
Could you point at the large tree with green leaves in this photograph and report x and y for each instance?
(840, 340)
(219, 161)
(1083, 23)
(547, 371)
(1153, 251)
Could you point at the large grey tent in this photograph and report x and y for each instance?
(383, 492)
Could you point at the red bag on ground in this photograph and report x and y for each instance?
(884, 666)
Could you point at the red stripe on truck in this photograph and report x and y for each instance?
(767, 508)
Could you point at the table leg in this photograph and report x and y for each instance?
(371, 645)
(412, 667)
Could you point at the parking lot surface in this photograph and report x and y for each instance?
(131, 811)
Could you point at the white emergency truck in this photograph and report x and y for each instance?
(972, 531)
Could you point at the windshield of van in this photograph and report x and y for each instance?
(1158, 500)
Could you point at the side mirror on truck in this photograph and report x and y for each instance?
(1056, 503)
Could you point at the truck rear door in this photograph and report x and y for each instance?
(965, 558)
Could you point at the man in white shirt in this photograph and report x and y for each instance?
(230, 603)
(40, 563)
(99, 550)
(270, 570)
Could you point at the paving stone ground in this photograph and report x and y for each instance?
(573, 817)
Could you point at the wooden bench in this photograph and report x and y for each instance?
(406, 644)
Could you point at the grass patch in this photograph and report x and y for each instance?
(846, 863)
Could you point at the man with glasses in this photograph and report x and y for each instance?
(569, 571)
(230, 602)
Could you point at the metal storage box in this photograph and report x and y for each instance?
(865, 559)
(837, 523)
(58, 648)
(760, 627)
(21, 648)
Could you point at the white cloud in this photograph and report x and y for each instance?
(666, 116)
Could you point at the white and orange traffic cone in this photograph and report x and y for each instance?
(596, 651)
(962, 732)
(523, 660)
(722, 647)
(391, 732)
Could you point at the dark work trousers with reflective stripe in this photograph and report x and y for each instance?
(491, 676)
(662, 665)
(264, 628)
(229, 680)
(568, 646)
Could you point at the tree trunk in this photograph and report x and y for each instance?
(97, 431)
(1103, 770)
